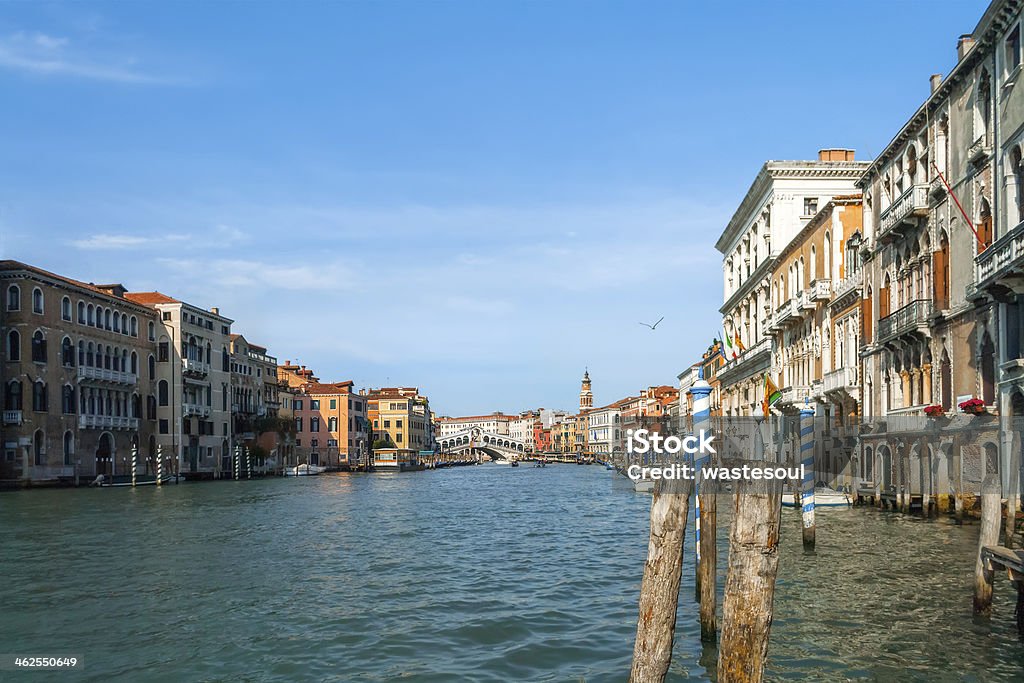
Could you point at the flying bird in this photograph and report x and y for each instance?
(655, 324)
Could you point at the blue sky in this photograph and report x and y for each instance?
(478, 199)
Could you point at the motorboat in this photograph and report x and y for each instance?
(643, 485)
(305, 470)
(824, 497)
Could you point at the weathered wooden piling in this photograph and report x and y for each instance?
(747, 607)
(990, 514)
(1012, 445)
(807, 491)
(659, 592)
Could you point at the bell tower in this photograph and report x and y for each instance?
(586, 397)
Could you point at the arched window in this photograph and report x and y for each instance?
(14, 298)
(814, 263)
(115, 359)
(65, 309)
(39, 398)
(332, 424)
(81, 352)
(108, 359)
(38, 347)
(91, 317)
(81, 313)
(984, 226)
(135, 364)
(151, 328)
(826, 256)
(983, 110)
(162, 390)
(67, 353)
(225, 359)
(988, 370)
(117, 322)
(152, 366)
(13, 345)
(107, 324)
(151, 407)
(133, 326)
(69, 448)
(67, 400)
(37, 300)
(1017, 168)
(39, 447)
(12, 395)
(209, 353)
(136, 406)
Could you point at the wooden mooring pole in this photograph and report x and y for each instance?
(659, 592)
(807, 460)
(706, 522)
(990, 514)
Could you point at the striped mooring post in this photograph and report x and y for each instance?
(135, 460)
(701, 392)
(248, 464)
(159, 464)
(807, 460)
(238, 456)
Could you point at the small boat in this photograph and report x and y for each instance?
(148, 481)
(515, 463)
(304, 470)
(609, 466)
(643, 486)
(824, 497)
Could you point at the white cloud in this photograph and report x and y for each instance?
(45, 55)
(107, 241)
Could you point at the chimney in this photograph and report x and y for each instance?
(936, 81)
(835, 154)
(963, 46)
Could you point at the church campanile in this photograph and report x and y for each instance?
(586, 397)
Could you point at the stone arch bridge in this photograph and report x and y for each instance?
(475, 441)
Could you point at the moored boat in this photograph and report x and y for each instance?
(304, 470)
(824, 497)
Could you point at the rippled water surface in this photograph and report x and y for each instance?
(481, 573)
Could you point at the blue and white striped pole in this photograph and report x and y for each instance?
(701, 393)
(807, 460)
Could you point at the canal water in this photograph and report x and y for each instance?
(485, 573)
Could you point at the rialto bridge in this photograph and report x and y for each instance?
(476, 441)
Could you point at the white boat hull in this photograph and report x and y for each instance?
(304, 471)
(644, 486)
(823, 498)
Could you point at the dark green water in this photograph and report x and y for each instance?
(482, 573)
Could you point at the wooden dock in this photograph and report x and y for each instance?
(997, 557)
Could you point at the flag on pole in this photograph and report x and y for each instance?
(771, 394)
(739, 344)
(728, 344)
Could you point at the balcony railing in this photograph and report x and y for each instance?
(980, 149)
(188, 409)
(787, 313)
(843, 379)
(913, 202)
(820, 290)
(107, 422)
(1004, 257)
(86, 372)
(196, 367)
(911, 318)
(848, 284)
(795, 394)
(12, 417)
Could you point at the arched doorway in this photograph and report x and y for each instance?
(105, 454)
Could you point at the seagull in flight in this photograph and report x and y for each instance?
(655, 324)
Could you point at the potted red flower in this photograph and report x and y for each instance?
(934, 411)
(974, 406)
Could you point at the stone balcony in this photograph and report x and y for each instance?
(12, 417)
(107, 422)
(795, 396)
(88, 373)
(841, 383)
(980, 150)
(190, 409)
(755, 359)
(848, 284)
(820, 290)
(787, 314)
(195, 367)
(903, 211)
(912, 319)
(1001, 266)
